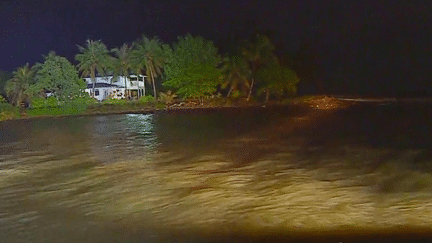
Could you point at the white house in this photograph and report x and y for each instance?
(107, 87)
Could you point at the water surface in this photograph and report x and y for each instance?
(199, 176)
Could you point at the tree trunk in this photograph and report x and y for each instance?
(93, 92)
(154, 85)
(144, 90)
(229, 92)
(154, 89)
(250, 90)
(126, 90)
(93, 78)
(143, 86)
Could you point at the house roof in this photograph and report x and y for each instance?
(110, 76)
(101, 85)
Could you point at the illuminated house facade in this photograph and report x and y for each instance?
(106, 87)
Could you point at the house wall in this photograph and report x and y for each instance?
(103, 93)
(114, 92)
(120, 81)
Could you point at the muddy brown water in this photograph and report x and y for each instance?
(233, 175)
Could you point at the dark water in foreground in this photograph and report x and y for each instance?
(144, 178)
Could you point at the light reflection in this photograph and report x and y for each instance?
(123, 137)
(140, 123)
(141, 130)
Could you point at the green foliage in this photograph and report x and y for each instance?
(146, 99)
(196, 81)
(258, 54)
(8, 111)
(52, 102)
(122, 62)
(149, 56)
(53, 107)
(277, 79)
(2, 100)
(115, 101)
(59, 76)
(38, 102)
(94, 58)
(85, 99)
(6, 106)
(236, 75)
(235, 94)
(18, 86)
(192, 67)
(88, 101)
(168, 97)
(68, 108)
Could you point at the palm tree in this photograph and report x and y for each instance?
(148, 56)
(277, 79)
(258, 53)
(17, 87)
(236, 74)
(93, 58)
(122, 62)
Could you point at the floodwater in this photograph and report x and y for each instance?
(234, 175)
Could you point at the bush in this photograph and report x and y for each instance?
(7, 107)
(38, 103)
(51, 106)
(87, 100)
(236, 94)
(8, 111)
(115, 101)
(2, 99)
(167, 97)
(41, 102)
(146, 99)
(73, 107)
(52, 102)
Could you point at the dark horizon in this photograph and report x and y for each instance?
(340, 47)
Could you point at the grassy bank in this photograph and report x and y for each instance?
(50, 109)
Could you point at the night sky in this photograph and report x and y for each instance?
(356, 47)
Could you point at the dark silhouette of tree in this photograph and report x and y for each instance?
(236, 74)
(17, 87)
(259, 52)
(94, 57)
(122, 64)
(148, 56)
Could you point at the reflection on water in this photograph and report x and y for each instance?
(122, 137)
(196, 177)
(106, 138)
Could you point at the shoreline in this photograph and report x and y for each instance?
(153, 111)
(316, 102)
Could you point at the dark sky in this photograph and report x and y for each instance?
(351, 46)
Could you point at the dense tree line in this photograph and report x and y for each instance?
(192, 67)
